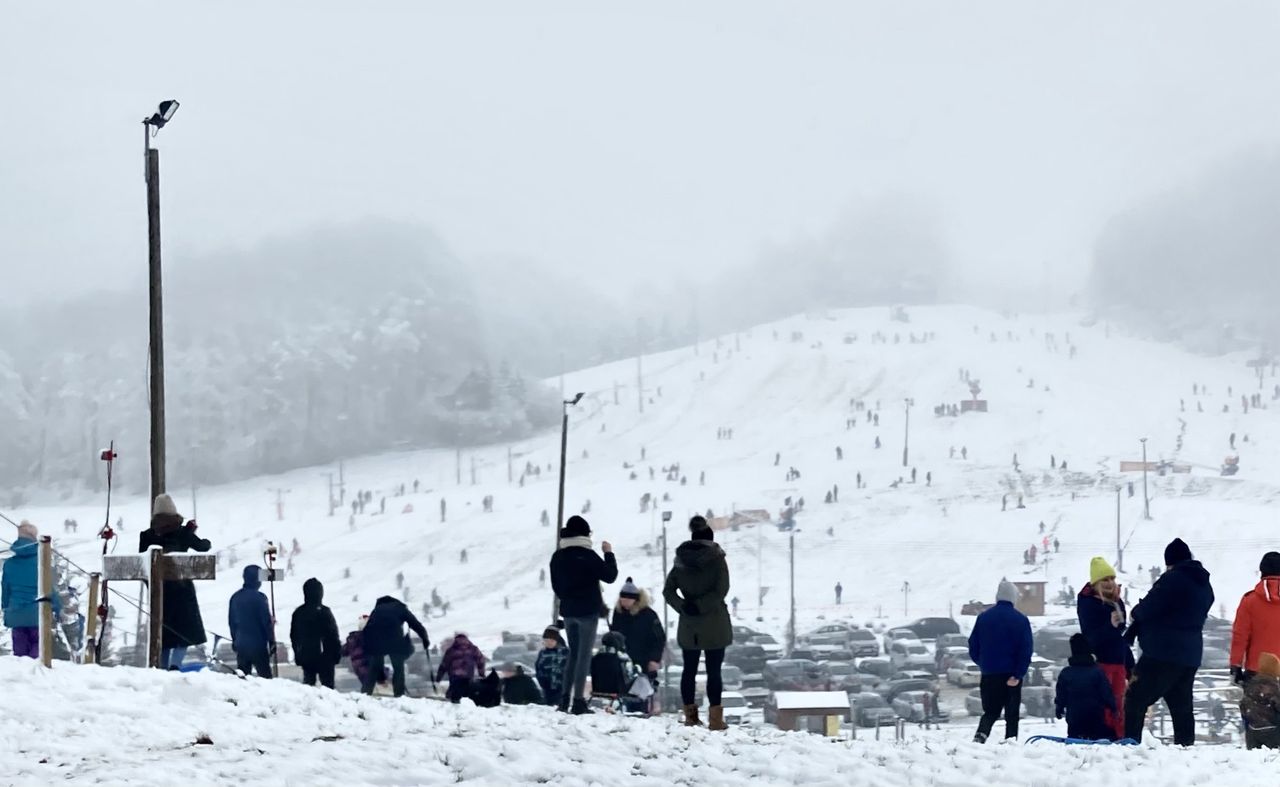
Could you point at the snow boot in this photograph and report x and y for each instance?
(691, 716)
(580, 707)
(979, 737)
(715, 718)
(563, 704)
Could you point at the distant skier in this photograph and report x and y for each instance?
(839, 453)
(913, 475)
(442, 509)
(462, 557)
(1004, 503)
(877, 442)
(839, 592)
(928, 478)
(382, 506)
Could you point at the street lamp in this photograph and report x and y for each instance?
(906, 435)
(564, 454)
(150, 127)
(1146, 499)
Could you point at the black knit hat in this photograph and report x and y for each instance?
(1270, 566)
(629, 590)
(697, 522)
(575, 527)
(1080, 646)
(1176, 552)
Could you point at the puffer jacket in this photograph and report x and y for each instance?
(696, 588)
(1256, 629)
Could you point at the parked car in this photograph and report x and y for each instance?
(1041, 672)
(1038, 701)
(871, 710)
(863, 643)
(756, 697)
(919, 707)
(803, 652)
(735, 707)
(750, 658)
(832, 653)
(932, 628)
(796, 675)
(743, 633)
(964, 675)
(896, 634)
(910, 654)
(732, 677)
(844, 677)
(895, 687)
(952, 641)
(1215, 658)
(1052, 640)
(881, 669)
(772, 648)
(946, 658)
(830, 634)
(973, 704)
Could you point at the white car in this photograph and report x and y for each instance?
(909, 654)
(964, 675)
(736, 711)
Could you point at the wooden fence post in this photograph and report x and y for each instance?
(156, 587)
(91, 621)
(46, 606)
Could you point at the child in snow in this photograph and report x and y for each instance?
(550, 666)
(353, 650)
(462, 662)
(1261, 705)
(1084, 695)
(614, 674)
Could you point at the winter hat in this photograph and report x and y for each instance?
(614, 639)
(1268, 664)
(28, 530)
(164, 505)
(1176, 552)
(1270, 566)
(629, 590)
(703, 534)
(1007, 592)
(1080, 646)
(697, 523)
(575, 527)
(1100, 569)
(551, 632)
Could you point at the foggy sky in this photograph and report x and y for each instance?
(613, 140)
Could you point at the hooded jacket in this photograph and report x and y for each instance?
(384, 635)
(1169, 621)
(20, 587)
(576, 574)
(1000, 643)
(249, 616)
(646, 639)
(549, 669)
(313, 633)
(696, 588)
(1105, 640)
(462, 660)
(1256, 629)
(183, 624)
(1084, 695)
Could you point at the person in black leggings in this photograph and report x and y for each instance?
(696, 588)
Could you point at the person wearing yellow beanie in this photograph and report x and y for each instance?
(1103, 618)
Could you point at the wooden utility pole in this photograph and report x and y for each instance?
(332, 501)
(91, 621)
(156, 353)
(45, 580)
(280, 493)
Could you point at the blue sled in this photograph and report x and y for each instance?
(1055, 739)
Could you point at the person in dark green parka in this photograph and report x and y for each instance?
(696, 588)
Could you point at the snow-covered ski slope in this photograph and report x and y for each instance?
(83, 725)
(950, 540)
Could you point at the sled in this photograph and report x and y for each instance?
(1074, 741)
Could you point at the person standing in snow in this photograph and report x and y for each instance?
(183, 625)
(1084, 696)
(19, 589)
(252, 630)
(1260, 705)
(696, 588)
(1001, 647)
(383, 638)
(1103, 619)
(313, 634)
(636, 620)
(576, 574)
(1257, 625)
(550, 666)
(462, 662)
(1169, 624)
(839, 593)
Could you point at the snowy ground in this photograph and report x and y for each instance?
(134, 727)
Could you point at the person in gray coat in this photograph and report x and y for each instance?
(696, 588)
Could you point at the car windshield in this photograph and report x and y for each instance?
(916, 649)
(871, 701)
(733, 702)
(763, 639)
(861, 634)
(840, 669)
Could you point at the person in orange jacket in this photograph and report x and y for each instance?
(1256, 629)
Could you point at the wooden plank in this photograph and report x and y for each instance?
(46, 606)
(126, 568)
(134, 568)
(91, 621)
(156, 631)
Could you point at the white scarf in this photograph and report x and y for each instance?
(576, 541)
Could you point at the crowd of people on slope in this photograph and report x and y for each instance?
(1105, 694)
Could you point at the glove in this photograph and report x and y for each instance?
(1238, 675)
(690, 607)
(191, 525)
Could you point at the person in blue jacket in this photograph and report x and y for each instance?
(1084, 695)
(1169, 626)
(252, 631)
(1001, 647)
(19, 589)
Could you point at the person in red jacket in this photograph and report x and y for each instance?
(1256, 629)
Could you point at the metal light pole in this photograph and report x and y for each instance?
(151, 172)
(1146, 499)
(564, 455)
(906, 594)
(666, 627)
(791, 626)
(1119, 549)
(906, 435)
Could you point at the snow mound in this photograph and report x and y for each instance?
(94, 725)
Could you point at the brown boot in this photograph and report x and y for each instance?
(715, 718)
(691, 716)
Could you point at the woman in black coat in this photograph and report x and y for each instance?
(183, 626)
